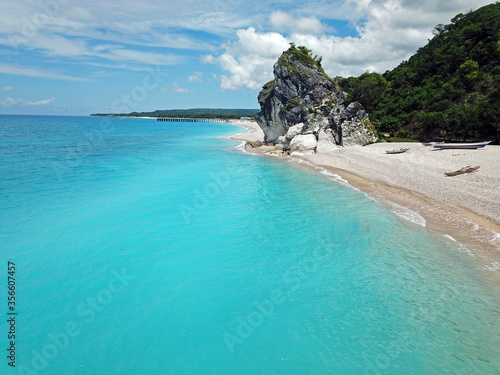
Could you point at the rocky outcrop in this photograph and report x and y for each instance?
(302, 100)
(326, 141)
(303, 144)
(253, 144)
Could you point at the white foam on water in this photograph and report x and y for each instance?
(450, 238)
(407, 214)
(495, 237)
(322, 170)
(241, 148)
(334, 176)
(462, 246)
(241, 145)
(492, 267)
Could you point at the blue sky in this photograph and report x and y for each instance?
(75, 58)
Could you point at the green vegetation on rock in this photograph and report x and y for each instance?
(304, 55)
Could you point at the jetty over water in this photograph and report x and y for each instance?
(183, 119)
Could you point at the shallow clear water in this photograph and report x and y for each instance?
(147, 247)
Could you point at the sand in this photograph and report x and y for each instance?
(254, 133)
(465, 208)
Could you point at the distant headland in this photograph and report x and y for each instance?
(206, 113)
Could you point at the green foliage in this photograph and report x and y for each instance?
(368, 89)
(449, 88)
(269, 86)
(468, 73)
(294, 103)
(400, 139)
(389, 124)
(304, 55)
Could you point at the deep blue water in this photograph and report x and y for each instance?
(146, 247)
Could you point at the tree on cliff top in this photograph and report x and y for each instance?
(304, 55)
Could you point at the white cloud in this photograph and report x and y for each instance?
(249, 60)
(9, 102)
(9, 88)
(147, 58)
(196, 76)
(181, 90)
(41, 102)
(285, 22)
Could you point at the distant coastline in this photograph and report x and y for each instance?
(205, 113)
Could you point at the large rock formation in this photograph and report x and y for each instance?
(303, 101)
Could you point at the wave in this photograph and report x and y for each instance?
(334, 176)
(450, 238)
(492, 267)
(407, 214)
(461, 245)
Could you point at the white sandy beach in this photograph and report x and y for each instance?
(422, 170)
(464, 206)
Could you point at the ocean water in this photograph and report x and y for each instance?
(146, 247)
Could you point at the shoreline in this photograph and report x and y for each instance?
(475, 224)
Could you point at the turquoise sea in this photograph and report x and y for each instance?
(144, 247)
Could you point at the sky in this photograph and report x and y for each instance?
(68, 57)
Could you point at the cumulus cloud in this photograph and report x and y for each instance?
(249, 60)
(389, 31)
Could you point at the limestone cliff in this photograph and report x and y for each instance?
(304, 109)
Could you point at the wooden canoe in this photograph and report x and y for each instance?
(400, 151)
(467, 169)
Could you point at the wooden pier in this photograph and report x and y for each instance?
(182, 119)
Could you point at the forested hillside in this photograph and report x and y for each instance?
(450, 89)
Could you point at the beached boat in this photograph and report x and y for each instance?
(468, 146)
(427, 144)
(400, 151)
(467, 169)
